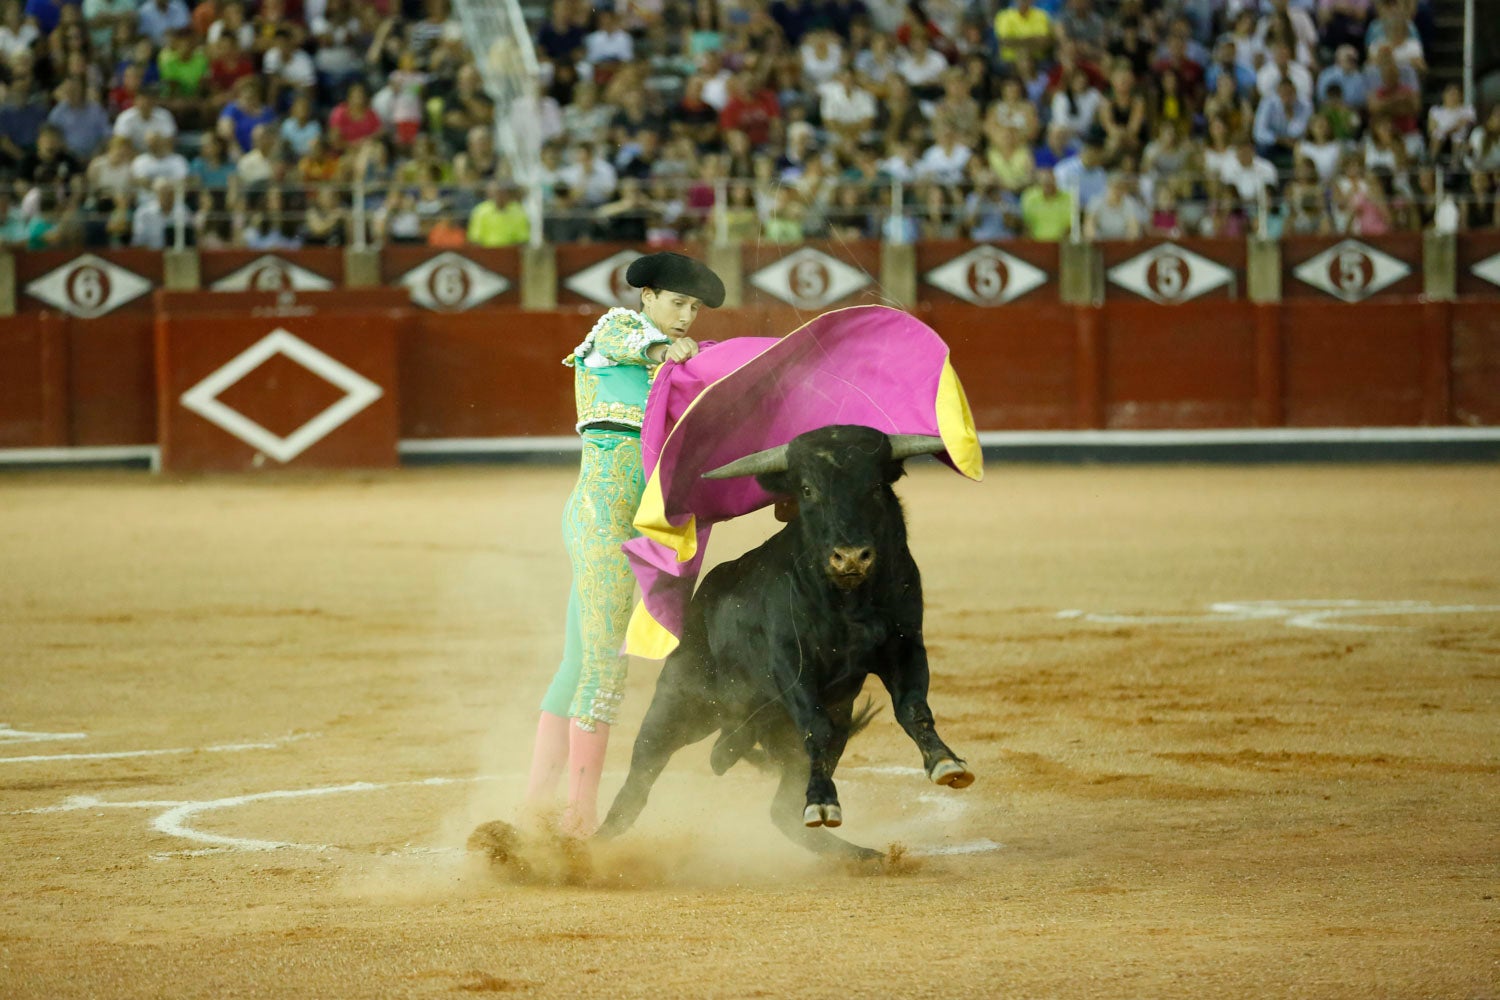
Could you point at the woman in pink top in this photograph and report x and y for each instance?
(353, 120)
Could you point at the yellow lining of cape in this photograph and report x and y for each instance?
(956, 425)
(647, 637)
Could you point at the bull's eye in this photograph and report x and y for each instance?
(807, 492)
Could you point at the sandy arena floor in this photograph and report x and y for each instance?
(1236, 731)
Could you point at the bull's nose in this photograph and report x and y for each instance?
(850, 560)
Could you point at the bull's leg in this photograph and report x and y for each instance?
(785, 814)
(823, 738)
(907, 681)
(672, 722)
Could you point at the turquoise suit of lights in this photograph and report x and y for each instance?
(611, 378)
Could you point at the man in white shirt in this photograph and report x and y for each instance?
(716, 77)
(945, 160)
(257, 168)
(922, 67)
(591, 176)
(821, 56)
(289, 65)
(1248, 174)
(160, 162)
(145, 118)
(156, 218)
(609, 42)
(847, 109)
(1281, 65)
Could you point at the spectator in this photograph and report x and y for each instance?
(1046, 209)
(751, 109)
(23, 115)
(1122, 116)
(561, 39)
(1015, 110)
(405, 87)
(478, 160)
(321, 163)
(261, 165)
(423, 163)
(1305, 210)
(500, 219)
(53, 224)
(608, 44)
(1481, 207)
(876, 65)
(1384, 148)
(846, 109)
(945, 160)
(1484, 144)
(1171, 106)
(1343, 120)
(160, 162)
(626, 219)
(1225, 66)
(586, 119)
(183, 68)
(1130, 45)
(146, 117)
(1010, 162)
(227, 70)
(299, 128)
(990, 212)
(211, 170)
(1280, 122)
(1023, 28)
(901, 165)
(1189, 72)
(1404, 46)
(353, 120)
(1397, 100)
(232, 22)
(922, 67)
(1082, 25)
(17, 34)
(287, 67)
(940, 218)
(242, 116)
(327, 222)
(49, 163)
(784, 223)
(795, 18)
(156, 18)
(1225, 102)
(1075, 107)
(1292, 25)
(1448, 126)
(849, 214)
(341, 43)
(957, 110)
(589, 175)
(1249, 175)
(1342, 22)
(1165, 221)
(1321, 149)
(1345, 74)
(111, 182)
(1115, 215)
(1249, 46)
(898, 117)
(263, 225)
(821, 57)
(82, 120)
(1083, 175)
(1280, 66)
(1368, 208)
(46, 13)
(1059, 147)
(466, 108)
(1168, 156)
(158, 218)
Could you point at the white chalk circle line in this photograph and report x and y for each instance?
(165, 751)
(1308, 614)
(11, 735)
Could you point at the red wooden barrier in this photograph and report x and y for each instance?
(277, 381)
(1478, 264)
(1475, 363)
(1342, 370)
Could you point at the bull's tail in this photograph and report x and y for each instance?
(738, 744)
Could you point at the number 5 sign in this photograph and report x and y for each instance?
(1351, 270)
(986, 276)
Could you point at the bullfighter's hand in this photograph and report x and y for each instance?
(681, 349)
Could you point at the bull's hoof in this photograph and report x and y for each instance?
(823, 815)
(951, 773)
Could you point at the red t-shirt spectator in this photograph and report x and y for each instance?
(349, 127)
(1190, 74)
(223, 74)
(751, 114)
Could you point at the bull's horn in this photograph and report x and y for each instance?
(907, 445)
(770, 460)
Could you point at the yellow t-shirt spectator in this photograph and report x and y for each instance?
(492, 225)
(1021, 23)
(1046, 217)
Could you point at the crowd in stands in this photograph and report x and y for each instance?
(284, 123)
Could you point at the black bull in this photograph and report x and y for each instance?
(777, 644)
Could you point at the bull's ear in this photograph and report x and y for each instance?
(779, 483)
(894, 471)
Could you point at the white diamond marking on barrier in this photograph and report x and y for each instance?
(1351, 270)
(269, 273)
(359, 392)
(1488, 269)
(1168, 274)
(451, 282)
(809, 279)
(986, 276)
(605, 282)
(88, 287)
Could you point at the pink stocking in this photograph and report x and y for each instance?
(585, 767)
(549, 758)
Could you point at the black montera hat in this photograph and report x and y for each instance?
(673, 272)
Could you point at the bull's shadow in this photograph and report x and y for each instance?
(777, 644)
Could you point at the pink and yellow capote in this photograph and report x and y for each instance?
(869, 365)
